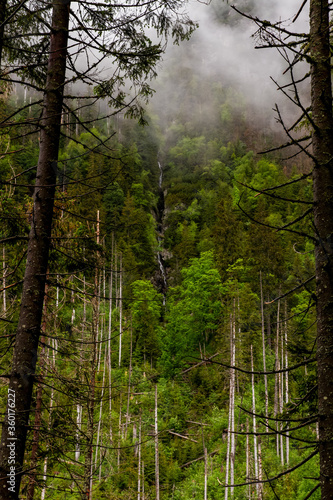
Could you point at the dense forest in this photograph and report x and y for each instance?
(177, 343)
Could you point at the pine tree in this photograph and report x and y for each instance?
(321, 103)
(135, 56)
(27, 337)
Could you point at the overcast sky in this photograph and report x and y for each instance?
(230, 50)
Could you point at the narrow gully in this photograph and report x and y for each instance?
(162, 281)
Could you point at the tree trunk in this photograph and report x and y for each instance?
(86, 494)
(49, 421)
(89, 462)
(109, 342)
(229, 452)
(79, 405)
(4, 280)
(206, 473)
(281, 395)
(255, 445)
(321, 102)
(286, 376)
(3, 12)
(248, 489)
(129, 383)
(232, 395)
(277, 386)
(99, 425)
(264, 349)
(226, 490)
(29, 324)
(120, 307)
(51, 365)
(119, 433)
(89, 459)
(143, 480)
(157, 465)
(260, 492)
(139, 460)
(38, 411)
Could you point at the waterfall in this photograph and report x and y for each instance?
(160, 229)
(160, 263)
(161, 175)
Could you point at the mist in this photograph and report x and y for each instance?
(227, 54)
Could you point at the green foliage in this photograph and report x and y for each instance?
(194, 313)
(137, 237)
(145, 310)
(204, 226)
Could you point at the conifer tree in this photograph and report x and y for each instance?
(321, 103)
(135, 57)
(315, 48)
(27, 337)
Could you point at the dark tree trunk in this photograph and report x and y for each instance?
(3, 9)
(29, 325)
(321, 97)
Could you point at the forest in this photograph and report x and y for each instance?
(166, 322)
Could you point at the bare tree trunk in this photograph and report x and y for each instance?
(230, 459)
(119, 433)
(264, 349)
(84, 305)
(135, 442)
(79, 405)
(232, 394)
(281, 395)
(38, 411)
(29, 324)
(99, 425)
(72, 301)
(276, 387)
(260, 492)
(116, 290)
(248, 458)
(4, 279)
(99, 331)
(54, 349)
(269, 328)
(143, 480)
(49, 421)
(206, 473)
(321, 103)
(90, 418)
(227, 465)
(129, 383)
(3, 12)
(78, 427)
(157, 465)
(49, 425)
(226, 490)
(120, 307)
(89, 459)
(286, 376)
(109, 338)
(99, 327)
(139, 460)
(255, 446)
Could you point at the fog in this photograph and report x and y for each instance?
(227, 53)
